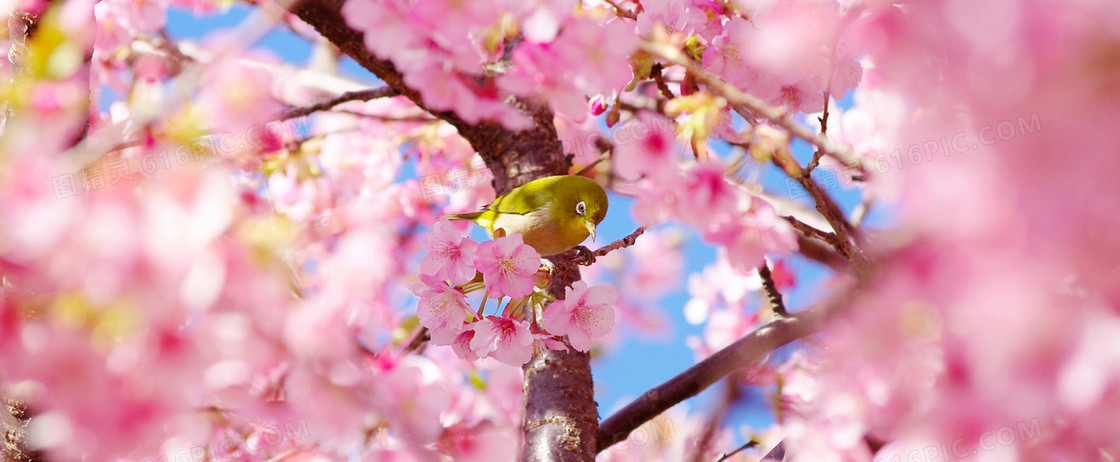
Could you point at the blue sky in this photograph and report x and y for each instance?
(638, 363)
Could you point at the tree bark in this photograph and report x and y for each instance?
(561, 420)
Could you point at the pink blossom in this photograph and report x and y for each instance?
(441, 306)
(450, 255)
(413, 395)
(238, 95)
(461, 345)
(144, 15)
(565, 73)
(507, 265)
(479, 443)
(726, 55)
(444, 89)
(673, 15)
(583, 315)
(646, 148)
(705, 193)
(504, 339)
(753, 234)
(597, 105)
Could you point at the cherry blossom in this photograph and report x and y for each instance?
(441, 307)
(583, 315)
(187, 272)
(504, 339)
(449, 255)
(507, 265)
(646, 148)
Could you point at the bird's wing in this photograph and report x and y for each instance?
(520, 201)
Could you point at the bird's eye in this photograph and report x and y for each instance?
(581, 208)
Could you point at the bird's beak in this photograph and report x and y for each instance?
(590, 229)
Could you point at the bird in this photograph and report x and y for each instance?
(553, 214)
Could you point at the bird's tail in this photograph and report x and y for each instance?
(464, 216)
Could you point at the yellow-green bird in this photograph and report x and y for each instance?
(553, 214)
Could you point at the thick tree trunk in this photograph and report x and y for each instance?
(561, 419)
(560, 415)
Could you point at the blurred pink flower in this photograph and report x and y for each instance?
(450, 255)
(413, 395)
(237, 96)
(752, 235)
(563, 70)
(584, 314)
(484, 442)
(646, 148)
(705, 193)
(507, 265)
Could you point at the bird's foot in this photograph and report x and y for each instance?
(583, 256)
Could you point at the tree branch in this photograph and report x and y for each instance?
(772, 293)
(745, 446)
(362, 95)
(824, 130)
(736, 97)
(831, 212)
(745, 351)
(659, 78)
(587, 258)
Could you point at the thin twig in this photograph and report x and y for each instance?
(419, 338)
(412, 118)
(810, 231)
(655, 72)
(824, 131)
(771, 289)
(727, 455)
(840, 225)
(824, 116)
(619, 244)
(778, 116)
(821, 252)
(599, 160)
(860, 213)
(363, 95)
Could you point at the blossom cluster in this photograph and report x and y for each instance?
(700, 195)
(507, 267)
(208, 306)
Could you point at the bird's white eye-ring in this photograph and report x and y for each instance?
(581, 208)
